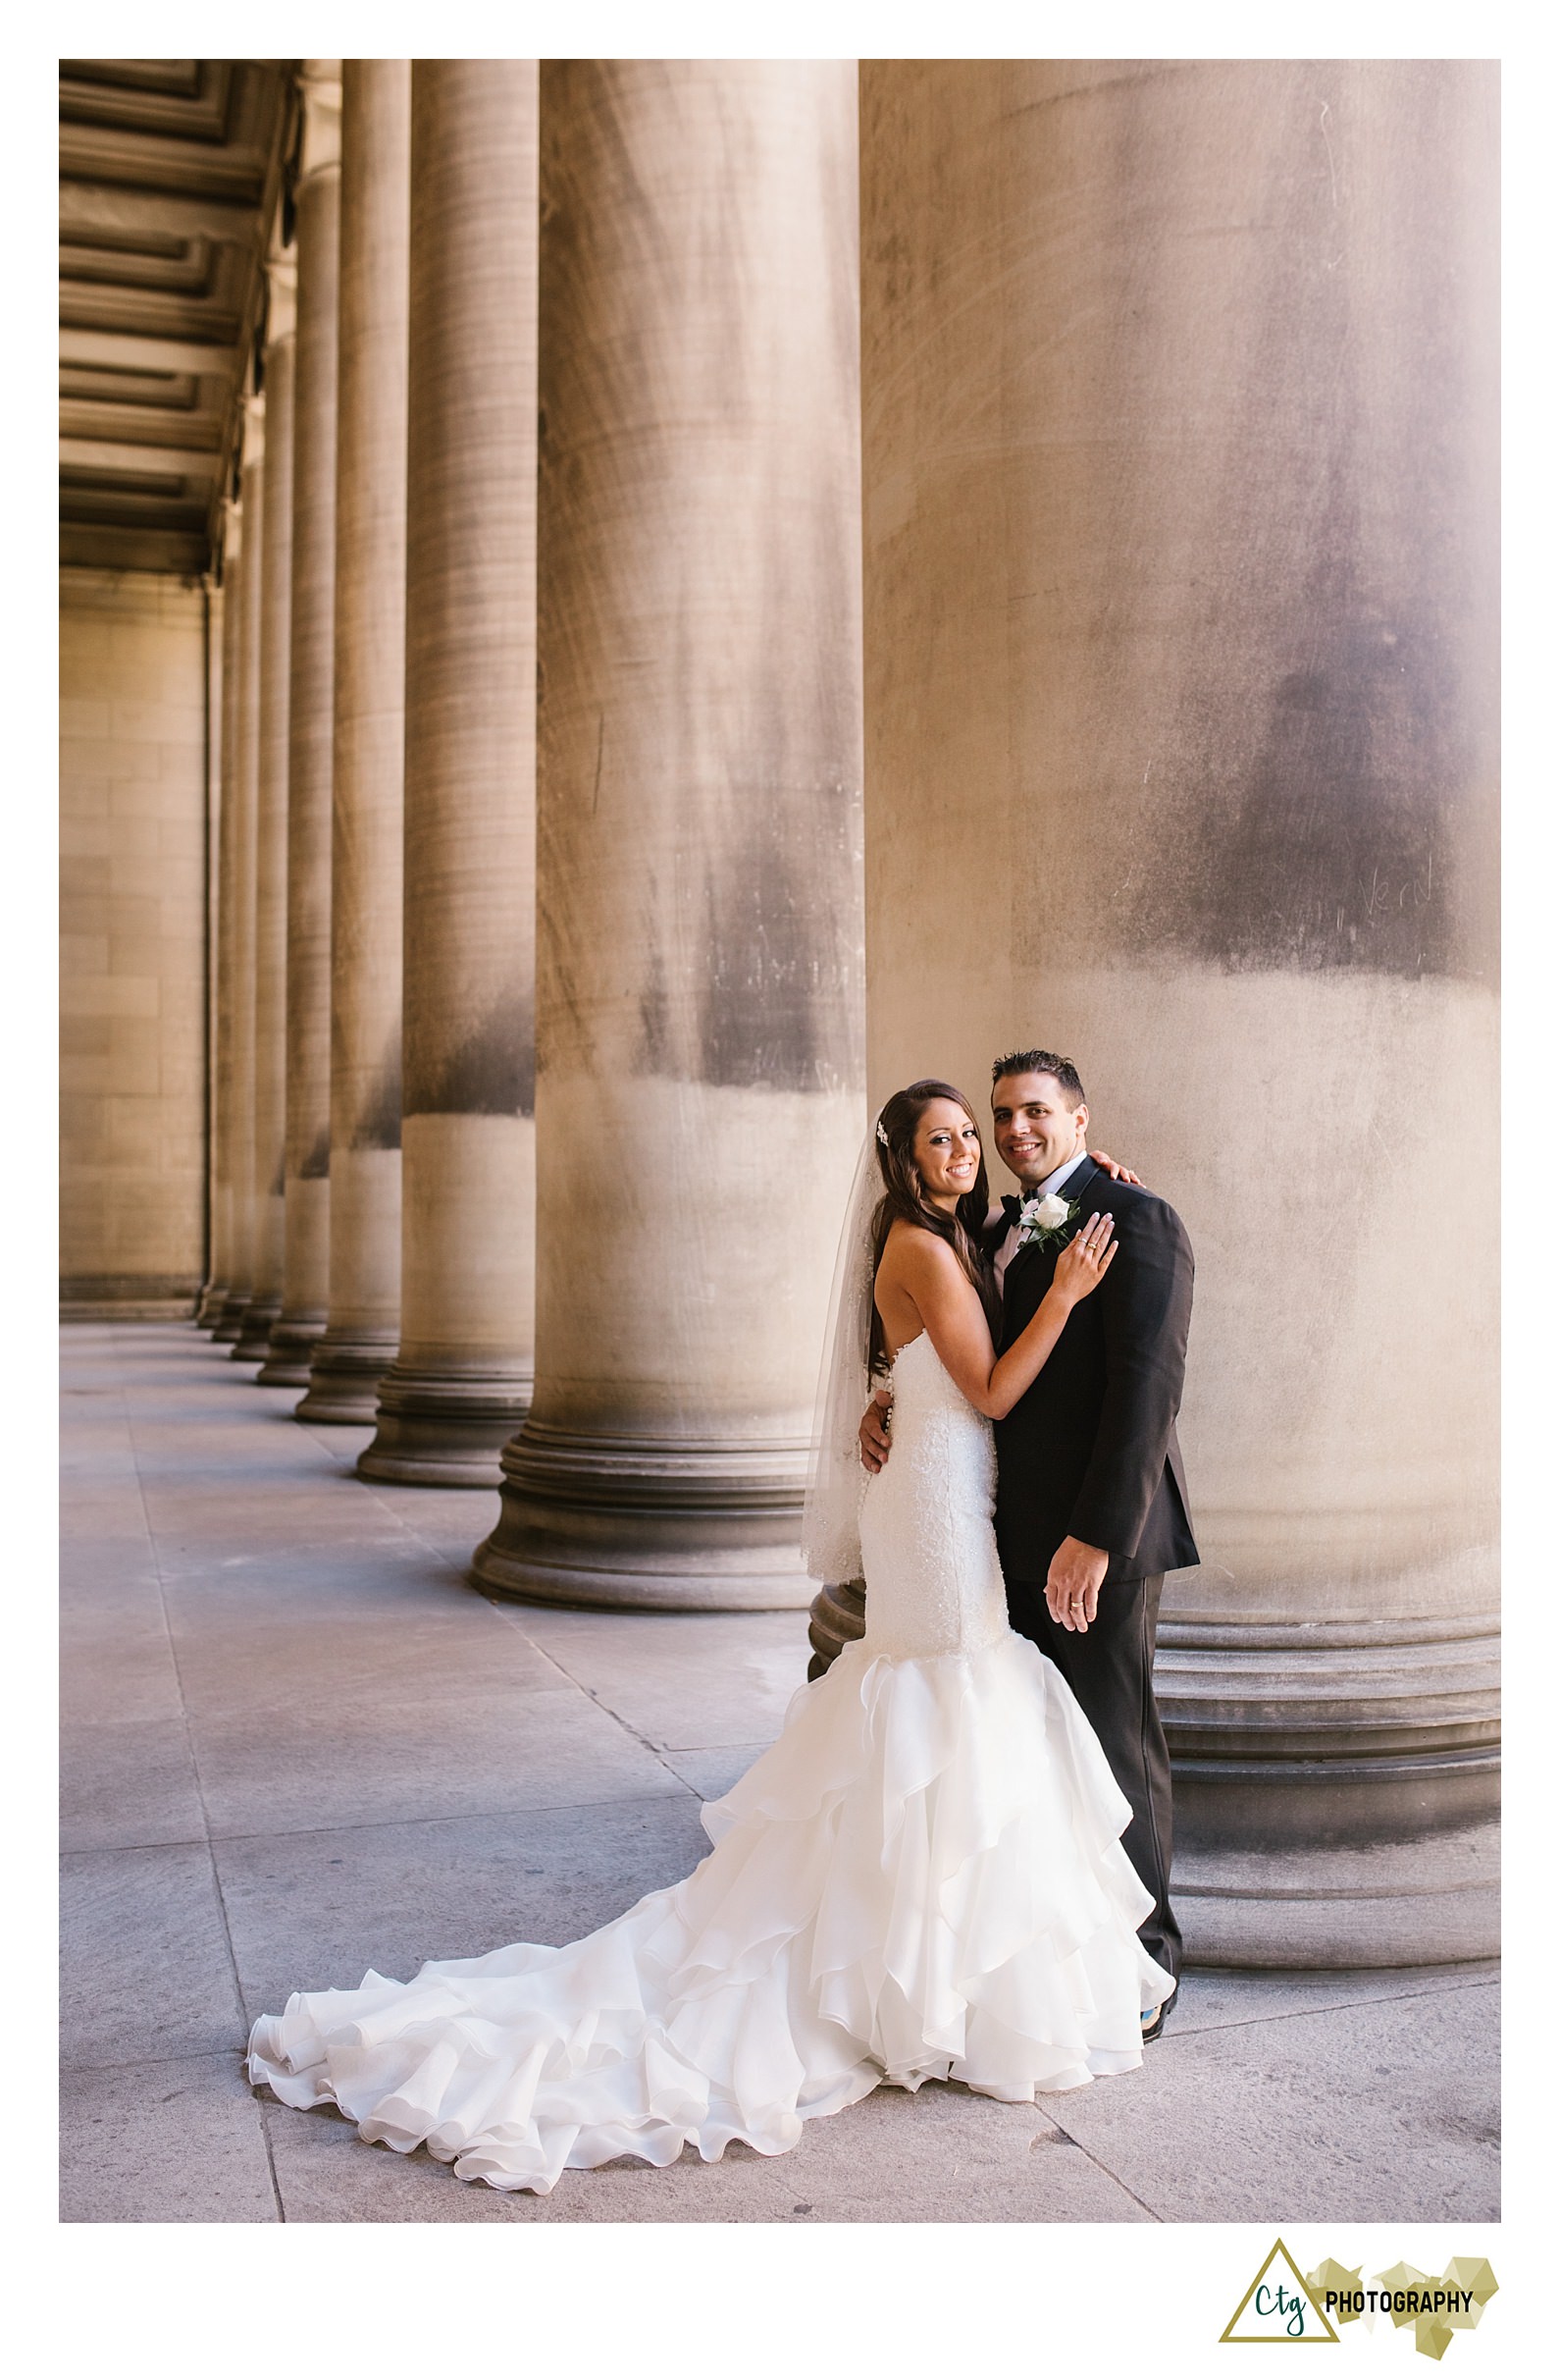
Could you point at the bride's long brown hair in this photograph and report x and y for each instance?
(904, 1201)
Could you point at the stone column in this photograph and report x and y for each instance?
(271, 832)
(1180, 407)
(214, 1302)
(360, 1338)
(209, 1302)
(462, 1376)
(306, 1226)
(699, 1030)
(238, 931)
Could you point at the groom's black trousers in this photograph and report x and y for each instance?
(1109, 1667)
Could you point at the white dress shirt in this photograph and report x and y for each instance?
(1010, 1246)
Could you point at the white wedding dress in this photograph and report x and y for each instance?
(920, 1878)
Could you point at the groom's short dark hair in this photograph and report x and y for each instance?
(1043, 1062)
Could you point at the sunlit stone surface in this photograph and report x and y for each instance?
(370, 638)
(306, 1227)
(1180, 731)
(461, 1378)
(243, 796)
(271, 830)
(699, 1099)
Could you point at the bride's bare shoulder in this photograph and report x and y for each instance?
(911, 1247)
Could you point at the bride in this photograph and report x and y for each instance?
(920, 1878)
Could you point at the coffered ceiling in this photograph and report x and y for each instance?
(169, 175)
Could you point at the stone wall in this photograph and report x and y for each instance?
(132, 859)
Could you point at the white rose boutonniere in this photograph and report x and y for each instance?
(1043, 1219)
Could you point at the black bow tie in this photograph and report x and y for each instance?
(1010, 1207)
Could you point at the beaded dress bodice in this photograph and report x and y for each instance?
(928, 1553)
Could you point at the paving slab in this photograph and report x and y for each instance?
(106, 1583)
(1212, 1995)
(938, 2156)
(681, 1679)
(181, 2141)
(98, 1478)
(106, 1605)
(99, 1484)
(1374, 2112)
(340, 1442)
(300, 1574)
(325, 2174)
(376, 1635)
(453, 1521)
(93, 1509)
(145, 1970)
(327, 1756)
(127, 1780)
(710, 1773)
(301, 1519)
(312, 1910)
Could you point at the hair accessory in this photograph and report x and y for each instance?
(881, 1133)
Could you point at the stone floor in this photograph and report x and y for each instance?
(298, 1744)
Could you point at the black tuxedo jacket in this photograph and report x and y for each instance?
(1090, 1450)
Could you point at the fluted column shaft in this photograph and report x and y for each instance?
(220, 1282)
(462, 1374)
(699, 1030)
(369, 635)
(239, 929)
(1179, 393)
(306, 1227)
(271, 845)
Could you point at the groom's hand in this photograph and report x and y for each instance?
(872, 1436)
(1072, 1587)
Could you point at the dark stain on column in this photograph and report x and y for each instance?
(737, 959)
(316, 1166)
(778, 1002)
(656, 1054)
(1341, 854)
(379, 1120)
(1320, 789)
(489, 1070)
(773, 1004)
(1364, 834)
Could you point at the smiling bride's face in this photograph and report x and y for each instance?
(947, 1152)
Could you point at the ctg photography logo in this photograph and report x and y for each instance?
(1284, 2306)
(1279, 2305)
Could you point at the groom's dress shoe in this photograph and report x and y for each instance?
(1151, 2032)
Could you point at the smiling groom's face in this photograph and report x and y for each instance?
(1034, 1128)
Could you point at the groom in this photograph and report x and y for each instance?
(1091, 1496)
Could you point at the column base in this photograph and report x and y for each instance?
(1429, 1900)
(345, 1375)
(293, 1340)
(253, 1341)
(630, 1526)
(838, 1615)
(208, 1313)
(1337, 1787)
(234, 1306)
(444, 1429)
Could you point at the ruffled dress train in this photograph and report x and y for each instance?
(920, 1878)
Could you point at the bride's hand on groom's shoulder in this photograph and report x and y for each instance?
(872, 1436)
(1118, 1172)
